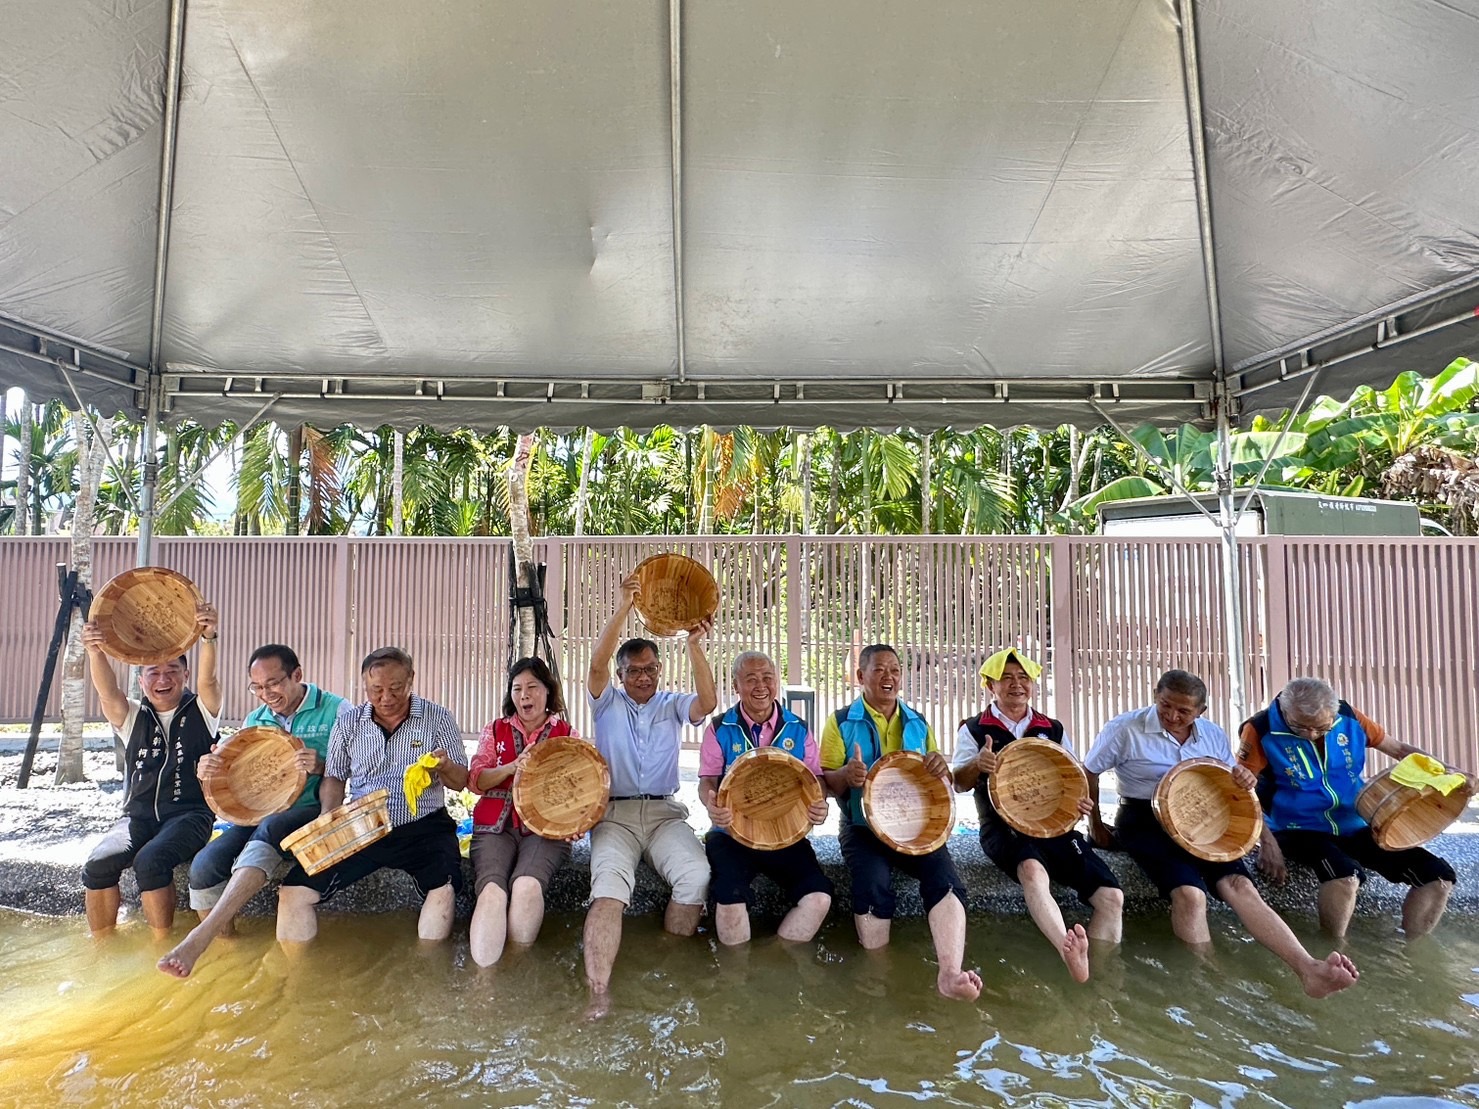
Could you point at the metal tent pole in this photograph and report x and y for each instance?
(149, 450)
(1232, 594)
(1232, 584)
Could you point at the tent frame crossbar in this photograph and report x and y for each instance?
(752, 392)
(1381, 329)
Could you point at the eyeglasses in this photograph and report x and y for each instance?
(270, 686)
(643, 671)
(1315, 730)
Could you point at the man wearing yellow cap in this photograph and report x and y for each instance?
(1308, 751)
(1011, 679)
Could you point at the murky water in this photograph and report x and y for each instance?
(368, 1018)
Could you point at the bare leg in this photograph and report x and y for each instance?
(872, 931)
(1337, 901)
(801, 923)
(1424, 907)
(297, 920)
(732, 922)
(437, 912)
(1107, 923)
(1319, 977)
(525, 910)
(1072, 946)
(602, 942)
(489, 926)
(245, 882)
(102, 909)
(159, 909)
(680, 919)
(947, 929)
(1189, 917)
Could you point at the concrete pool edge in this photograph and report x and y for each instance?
(54, 888)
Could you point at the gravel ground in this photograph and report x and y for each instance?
(47, 830)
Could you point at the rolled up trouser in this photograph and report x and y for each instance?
(244, 845)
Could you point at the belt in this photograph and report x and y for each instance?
(645, 797)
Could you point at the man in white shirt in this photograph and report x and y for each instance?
(1141, 747)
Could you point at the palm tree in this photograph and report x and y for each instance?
(92, 453)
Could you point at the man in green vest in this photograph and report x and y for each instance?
(248, 855)
(876, 724)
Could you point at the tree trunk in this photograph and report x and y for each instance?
(91, 453)
(924, 484)
(295, 480)
(583, 492)
(834, 490)
(706, 508)
(867, 528)
(518, 526)
(398, 485)
(804, 446)
(21, 525)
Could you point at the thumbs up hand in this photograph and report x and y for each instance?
(857, 773)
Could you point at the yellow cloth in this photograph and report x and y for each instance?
(1424, 770)
(418, 779)
(993, 668)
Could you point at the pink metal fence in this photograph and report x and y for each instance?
(1392, 623)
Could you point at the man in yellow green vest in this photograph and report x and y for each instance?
(853, 739)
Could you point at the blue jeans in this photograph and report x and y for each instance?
(243, 845)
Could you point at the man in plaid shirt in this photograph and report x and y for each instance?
(369, 749)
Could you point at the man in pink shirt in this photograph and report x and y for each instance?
(758, 720)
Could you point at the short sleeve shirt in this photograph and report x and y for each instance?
(1139, 750)
(711, 758)
(966, 747)
(361, 755)
(1251, 755)
(212, 723)
(890, 737)
(640, 743)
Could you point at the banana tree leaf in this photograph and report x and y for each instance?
(1120, 489)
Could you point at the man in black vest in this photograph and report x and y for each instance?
(165, 817)
(1010, 677)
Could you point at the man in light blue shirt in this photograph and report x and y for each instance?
(639, 731)
(1141, 747)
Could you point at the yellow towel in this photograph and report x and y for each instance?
(418, 779)
(1424, 770)
(993, 667)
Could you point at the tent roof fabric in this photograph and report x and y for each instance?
(867, 213)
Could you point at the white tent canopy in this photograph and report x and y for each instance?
(942, 212)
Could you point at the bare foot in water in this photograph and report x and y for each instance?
(963, 985)
(181, 961)
(1075, 952)
(598, 1006)
(1329, 976)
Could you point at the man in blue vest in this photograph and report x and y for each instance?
(758, 720)
(876, 724)
(1308, 750)
(247, 854)
(165, 817)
